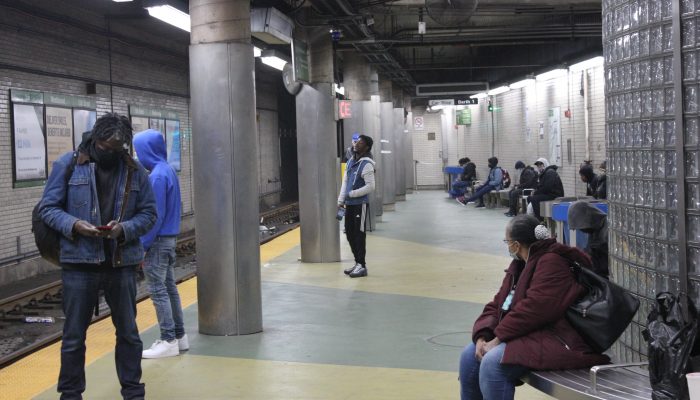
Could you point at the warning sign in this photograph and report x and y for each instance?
(418, 123)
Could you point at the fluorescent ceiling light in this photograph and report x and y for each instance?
(590, 63)
(479, 96)
(274, 59)
(171, 15)
(523, 83)
(339, 89)
(498, 90)
(555, 73)
(257, 52)
(121, 1)
(438, 107)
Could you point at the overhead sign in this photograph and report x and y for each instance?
(460, 101)
(300, 61)
(418, 123)
(344, 109)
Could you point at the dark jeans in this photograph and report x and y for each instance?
(536, 199)
(355, 223)
(459, 188)
(480, 192)
(514, 200)
(80, 289)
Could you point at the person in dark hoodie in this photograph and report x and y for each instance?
(549, 186)
(159, 244)
(589, 219)
(494, 182)
(525, 327)
(590, 179)
(465, 179)
(100, 221)
(527, 180)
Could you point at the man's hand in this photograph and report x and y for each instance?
(85, 228)
(117, 231)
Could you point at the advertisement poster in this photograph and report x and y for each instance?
(83, 121)
(554, 137)
(172, 141)
(30, 151)
(157, 124)
(59, 133)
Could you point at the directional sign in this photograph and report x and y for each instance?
(344, 109)
(460, 101)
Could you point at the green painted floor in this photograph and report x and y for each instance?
(396, 334)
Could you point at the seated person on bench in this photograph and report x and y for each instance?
(465, 179)
(494, 182)
(549, 186)
(527, 180)
(588, 218)
(524, 327)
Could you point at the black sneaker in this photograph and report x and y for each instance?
(347, 271)
(358, 272)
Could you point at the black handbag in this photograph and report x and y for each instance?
(603, 312)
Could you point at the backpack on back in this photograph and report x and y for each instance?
(48, 240)
(506, 178)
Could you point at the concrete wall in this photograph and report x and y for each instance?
(515, 112)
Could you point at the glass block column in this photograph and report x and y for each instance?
(651, 86)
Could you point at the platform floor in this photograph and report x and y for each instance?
(396, 334)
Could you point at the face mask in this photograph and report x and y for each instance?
(514, 255)
(104, 158)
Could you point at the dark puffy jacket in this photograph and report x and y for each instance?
(550, 183)
(601, 191)
(590, 219)
(535, 329)
(469, 172)
(528, 178)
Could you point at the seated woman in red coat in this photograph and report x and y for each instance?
(524, 327)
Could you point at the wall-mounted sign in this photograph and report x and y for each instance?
(418, 123)
(344, 109)
(300, 60)
(466, 101)
(441, 102)
(459, 101)
(464, 117)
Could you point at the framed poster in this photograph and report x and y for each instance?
(172, 141)
(83, 121)
(157, 124)
(29, 145)
(139, 124)
(59, 133)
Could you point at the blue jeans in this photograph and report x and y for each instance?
(80, 289)
(480, 192)
(158, 268)
(459, 187)
(488, 379)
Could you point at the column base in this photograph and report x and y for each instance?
(389, 207)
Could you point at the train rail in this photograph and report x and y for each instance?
(33, 318)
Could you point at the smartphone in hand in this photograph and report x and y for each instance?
(104, 228)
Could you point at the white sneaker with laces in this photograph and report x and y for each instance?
(162, 349)
(183, 343)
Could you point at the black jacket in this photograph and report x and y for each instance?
(601, 191)
(528, 178)
(550, 183)
(587, 217)
(469, 172)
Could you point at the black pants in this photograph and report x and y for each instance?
(514, 200)
(535, 201)
(356, 217)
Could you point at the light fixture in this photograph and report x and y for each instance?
(523, 83)
(171, 15)
(590, 63)
(479, 96)
(498, 90)
(257, 51)
(555, 73)
(121, 1)
(274, 59)
(340, 90)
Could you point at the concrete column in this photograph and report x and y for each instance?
(319, 170)
(399, 143)
(408, 148)
(388, 170)
(225, 144)
(362, 85)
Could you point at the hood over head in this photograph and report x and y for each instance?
(519, 165)
(150, 148)
(587, 171)
(543, 161)
(584, 215)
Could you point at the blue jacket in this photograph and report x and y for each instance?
(62, 205)
(358, 182)
(150, 149)
(496, 178)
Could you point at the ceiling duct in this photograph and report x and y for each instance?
(439, 89)
(271, 26)
(451, 12)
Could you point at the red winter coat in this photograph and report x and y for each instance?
(535, 329)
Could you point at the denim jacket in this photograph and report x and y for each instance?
(64, 204)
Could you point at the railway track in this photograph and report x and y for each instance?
(19, 336)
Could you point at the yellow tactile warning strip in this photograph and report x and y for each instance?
(36, 373)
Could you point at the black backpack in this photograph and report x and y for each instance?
(48, 240)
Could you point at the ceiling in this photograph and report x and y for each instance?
(500, 41)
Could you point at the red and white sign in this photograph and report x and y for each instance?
(344, 109)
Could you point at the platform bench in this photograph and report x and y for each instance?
(603, 382)
(497, 198)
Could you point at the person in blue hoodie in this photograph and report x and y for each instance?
(159, 244)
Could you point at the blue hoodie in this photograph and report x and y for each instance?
(150, 149)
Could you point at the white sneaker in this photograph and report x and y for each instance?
(183, 343)
(162, 349)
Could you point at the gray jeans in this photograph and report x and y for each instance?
(158, 268)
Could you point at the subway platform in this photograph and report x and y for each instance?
(396, 334)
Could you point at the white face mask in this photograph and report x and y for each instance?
(514, 255)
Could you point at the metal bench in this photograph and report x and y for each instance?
(603, 382)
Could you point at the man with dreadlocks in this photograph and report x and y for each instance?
(100, 200)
